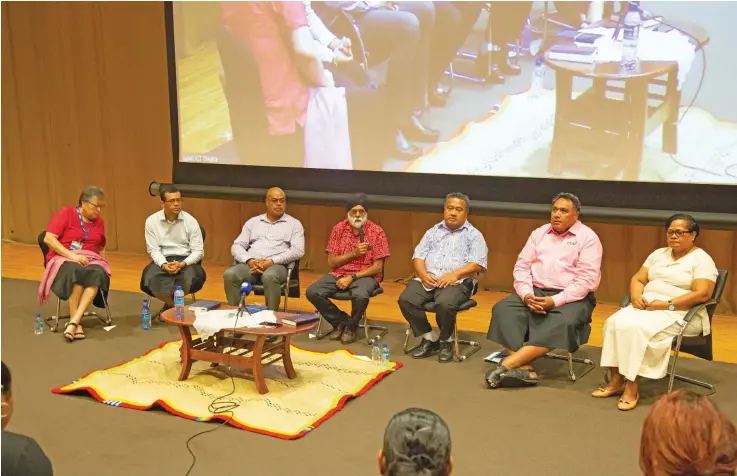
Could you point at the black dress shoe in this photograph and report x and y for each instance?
(510, 69)
(405, 149)
(438, 97)
(417, 132)
(446, 352)
(426, 349)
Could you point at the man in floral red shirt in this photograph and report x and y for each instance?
(356, 252)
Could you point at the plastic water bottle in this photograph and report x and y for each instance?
(385, 354)
(179, 304)
(538, 76)
(630, 36)
(376, 354)
(38, 325)
(145, 316)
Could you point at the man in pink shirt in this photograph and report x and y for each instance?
(555, 277)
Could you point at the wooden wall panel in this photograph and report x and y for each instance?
(85, 101)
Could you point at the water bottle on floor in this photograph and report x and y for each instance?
(145, 316)
(630, 37)
(538, 76)
(376, 354)
(38, 325)
(179, 304)
(385, 354)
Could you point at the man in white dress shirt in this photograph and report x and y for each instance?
(176, 246)
(264, 249)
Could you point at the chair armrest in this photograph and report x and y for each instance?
(692, 312)
(626, 301)
(290, 268)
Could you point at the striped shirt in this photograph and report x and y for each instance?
(445, 250)
(283, 241)
(182, 237)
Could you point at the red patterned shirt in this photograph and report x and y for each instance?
(342, 240)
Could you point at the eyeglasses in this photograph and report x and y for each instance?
(678, 233)
(174, 201)
(95, 205)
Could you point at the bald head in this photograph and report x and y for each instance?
(276, 203)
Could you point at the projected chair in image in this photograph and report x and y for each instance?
(699, 346)
(100, 300)
(290, 288)
(365, 324)
(247, 110)
(472, 346)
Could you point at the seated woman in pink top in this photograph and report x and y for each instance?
(75, 269)
(555, 277)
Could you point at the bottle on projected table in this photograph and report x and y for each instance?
(538, 76)
(630, 37)
(385, 354)
(376, 354)
(145, 316)
(38, 325)
(179, 304)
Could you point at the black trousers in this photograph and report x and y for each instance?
(320, 292)
(447, 300)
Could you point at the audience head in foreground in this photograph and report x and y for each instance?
(686, 435)
(416, 442)
(21, 455)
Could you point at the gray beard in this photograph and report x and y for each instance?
(357, 224)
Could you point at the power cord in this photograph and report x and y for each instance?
(693, 100)
(218, 406)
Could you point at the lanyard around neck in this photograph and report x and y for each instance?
(86, 231)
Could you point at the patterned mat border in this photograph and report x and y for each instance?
(223, 418)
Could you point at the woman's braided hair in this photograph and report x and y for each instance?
(416, 443)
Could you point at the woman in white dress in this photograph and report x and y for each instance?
(638, 338)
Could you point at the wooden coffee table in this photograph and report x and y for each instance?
(237, 349)
(614, 119)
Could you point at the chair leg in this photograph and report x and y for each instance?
(58, 314)
(571, 359)
(471, 344)
(367, 327)
(286, 299)
(318, 334)
(407, 349)
(672, 373)
(106, 320)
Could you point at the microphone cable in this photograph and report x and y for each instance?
(218, 406)
(693, 99)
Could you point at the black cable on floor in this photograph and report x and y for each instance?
(218, 406)
(693, 100)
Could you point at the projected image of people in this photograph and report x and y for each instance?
(600, 90)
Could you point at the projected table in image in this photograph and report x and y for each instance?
(599, 123)
(238, 350)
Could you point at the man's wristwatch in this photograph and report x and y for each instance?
(354, 277)
(671, 306)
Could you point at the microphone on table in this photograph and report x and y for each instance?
(246, 289)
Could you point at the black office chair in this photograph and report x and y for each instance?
(100, 300)
(699, 346)
(472, 345)
(290, 288)
(365, 324)
(583, 339)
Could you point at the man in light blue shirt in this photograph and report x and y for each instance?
(264, 249)
(446, 262)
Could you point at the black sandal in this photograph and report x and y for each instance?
(518, 378)
(69, 335)
(494, 376)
